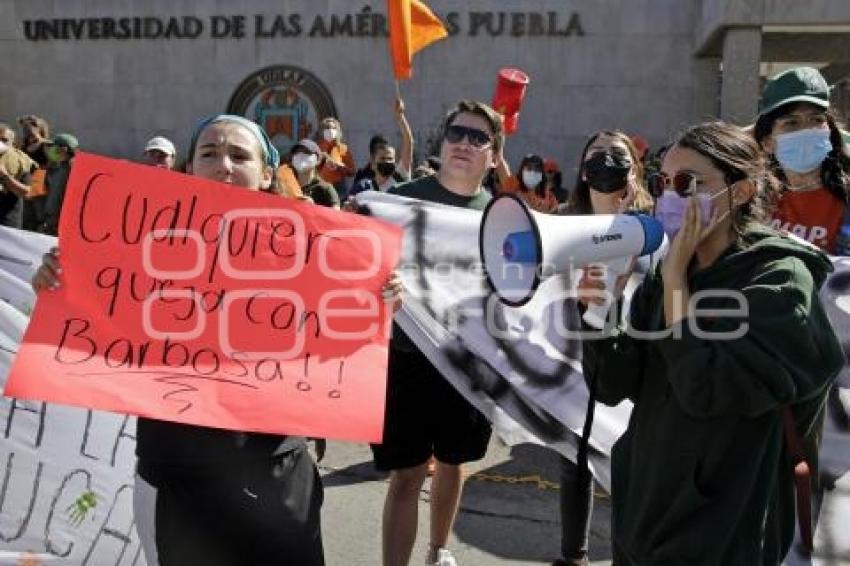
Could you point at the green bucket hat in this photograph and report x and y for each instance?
(800, 84)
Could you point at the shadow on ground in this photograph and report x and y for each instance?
(511, 510)
(353, 474)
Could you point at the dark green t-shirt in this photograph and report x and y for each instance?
(56, 179)
(321, 192)
(429, 189)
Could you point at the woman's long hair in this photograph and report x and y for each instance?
(736, 154)
(340, 138)
(579, 202)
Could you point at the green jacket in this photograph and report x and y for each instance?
(701, 476)
(56, 180)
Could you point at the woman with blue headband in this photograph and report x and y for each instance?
(210, 496)
(219, 497)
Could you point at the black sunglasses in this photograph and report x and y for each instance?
(683, 183)
(477, 138)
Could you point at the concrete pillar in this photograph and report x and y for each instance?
(740, 88)
(706, 89)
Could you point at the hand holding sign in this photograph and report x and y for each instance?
(178, 306)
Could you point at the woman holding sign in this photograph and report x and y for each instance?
(727, 357)
(218, 497)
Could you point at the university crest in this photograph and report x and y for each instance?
(287, 101)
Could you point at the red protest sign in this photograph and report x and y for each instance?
(187, 300)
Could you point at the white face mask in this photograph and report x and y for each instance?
(304, 162)
(4, 147)
(330, 134)
(531, 178)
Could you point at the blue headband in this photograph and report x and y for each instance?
(270, 153)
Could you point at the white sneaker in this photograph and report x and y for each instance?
(444, 558)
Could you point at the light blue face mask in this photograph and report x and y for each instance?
(804, 150)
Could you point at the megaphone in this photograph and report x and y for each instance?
(520, 248)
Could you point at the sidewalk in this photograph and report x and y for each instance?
(508, 515)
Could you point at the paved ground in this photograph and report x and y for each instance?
(500, 522)
(509, 512)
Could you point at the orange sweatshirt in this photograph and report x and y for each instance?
(288, 181)
(339, 153)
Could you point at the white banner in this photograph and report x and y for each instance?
(67, 490)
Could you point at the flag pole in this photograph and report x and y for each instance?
(397, 90)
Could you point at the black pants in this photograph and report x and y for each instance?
(262, 512)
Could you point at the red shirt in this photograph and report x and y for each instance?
(814, 216)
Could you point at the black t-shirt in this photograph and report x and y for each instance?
(370, 185)
(561, 194)
(39, 156)
(363, 173)
(10, 210)
(11, 205)
(164, 447)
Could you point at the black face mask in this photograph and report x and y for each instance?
(385, 168)
(608, 171)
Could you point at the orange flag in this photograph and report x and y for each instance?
(412, 27)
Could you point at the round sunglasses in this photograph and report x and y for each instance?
(683, 183)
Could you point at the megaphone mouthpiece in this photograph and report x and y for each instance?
(519, 248)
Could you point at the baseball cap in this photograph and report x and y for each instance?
(309, 145)
(162, 144)
(800, 84)
(65, 140)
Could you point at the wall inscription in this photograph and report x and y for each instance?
(367, 22)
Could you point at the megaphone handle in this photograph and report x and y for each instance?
(597, 314)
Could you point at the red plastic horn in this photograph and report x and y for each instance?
(507, 100)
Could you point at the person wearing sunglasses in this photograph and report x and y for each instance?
(808, 153)
(426, 416)
(727, 341)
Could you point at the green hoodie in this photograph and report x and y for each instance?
(701, 476)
